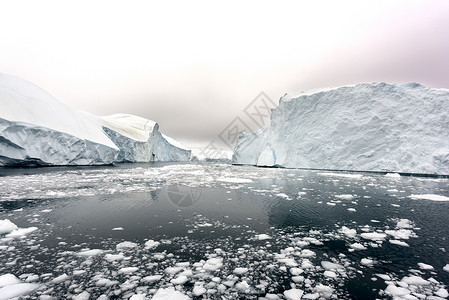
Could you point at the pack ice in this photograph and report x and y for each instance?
(364, 127)
(36, 129)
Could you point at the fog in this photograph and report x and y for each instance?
(195, 66)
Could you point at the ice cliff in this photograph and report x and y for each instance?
(139, 140)
(365, 127)
(36, 129)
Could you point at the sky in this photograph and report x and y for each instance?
(194, 66)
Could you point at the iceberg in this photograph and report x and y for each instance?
(376, 127)
(139, 140)
(36, 129)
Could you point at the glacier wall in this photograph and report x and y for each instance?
(36, 129)
(166, 151)
(155, 148)
(365, 127)
(23, 144)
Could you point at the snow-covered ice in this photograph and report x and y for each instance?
(169, 294)
(431, 197)
(293, 294)
(6, 226)
(363, 127)
(375, 236)
(38, 129)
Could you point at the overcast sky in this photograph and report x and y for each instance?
(193, 66)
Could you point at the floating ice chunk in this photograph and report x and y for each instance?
(60, 278)
(262, 236)
(138, 297)
(105, 282)
(293, 294)
(198, 290)
(330, 265)
(401, 234)
(443, 293)
(396, 291)
(271, 296)
(181, 279)
(128, 270)
(431, 197)
(151, 244)
(82, 296)
(357, 246)
(367, 262)
(374, 236)
(117, 229)
(13, 291)
(169, 294)
(399, 243)
(307, 253)
(298, 279)
(446, 268)
(296, 271)
(87, 253)
(384, 277)
(213, 264)
(352, 209)
(173, 270)
(345, 197)
(404, 223)
(114, 257)
(306, 264)
(78, 272)
(242, 286)
(6, 226)
(424, 266)
(348, 232)
(324, 290)
(8, 279)
(290, 262)
(330, 274)
(21, 232)
(393, 175)
(240, 271)
(234, 180)
(183, 264)
(152, 278)
(331, 203)
(283, 195)
(415, 280)
(311, 296)
(126, 245)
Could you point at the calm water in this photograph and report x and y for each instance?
(224, 232)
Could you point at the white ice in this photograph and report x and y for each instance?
(431, 197)
(363, 127)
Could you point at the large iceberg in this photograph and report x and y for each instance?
(139, 140)
(36, 129)
(365, 127)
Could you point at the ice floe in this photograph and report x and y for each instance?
(431, 197)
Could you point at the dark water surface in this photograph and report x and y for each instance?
(224, 232)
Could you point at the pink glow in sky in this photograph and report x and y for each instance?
(185, 64)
